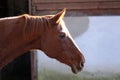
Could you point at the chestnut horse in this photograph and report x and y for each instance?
(47, 33)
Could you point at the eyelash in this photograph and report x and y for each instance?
(62, 35)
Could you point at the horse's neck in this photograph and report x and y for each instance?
(35, 26)
(11, 39)
(12, 32)
(24, 36)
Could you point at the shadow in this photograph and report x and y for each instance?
(77, 25)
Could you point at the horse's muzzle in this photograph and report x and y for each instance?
(77, 68)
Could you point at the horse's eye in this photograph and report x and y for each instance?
(62, 35)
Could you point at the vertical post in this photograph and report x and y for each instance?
(33, 54)
(30, 6)
(34, 65)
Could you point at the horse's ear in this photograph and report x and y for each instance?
(56, 18)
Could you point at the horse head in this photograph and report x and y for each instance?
(56, 42)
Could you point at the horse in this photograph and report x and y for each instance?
(47, 33)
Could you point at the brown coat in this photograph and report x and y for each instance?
(47, 33)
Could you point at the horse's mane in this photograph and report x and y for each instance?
(35, 23)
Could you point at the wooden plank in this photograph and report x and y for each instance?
(68, 6)
(78, 6)
(70, 1)
(109, 5)
(88, 12)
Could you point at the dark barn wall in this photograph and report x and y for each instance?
(17, 7)
(20, 68)
(2, 8)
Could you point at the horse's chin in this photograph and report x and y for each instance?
(74, 69)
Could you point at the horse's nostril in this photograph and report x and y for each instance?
(82, 64)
